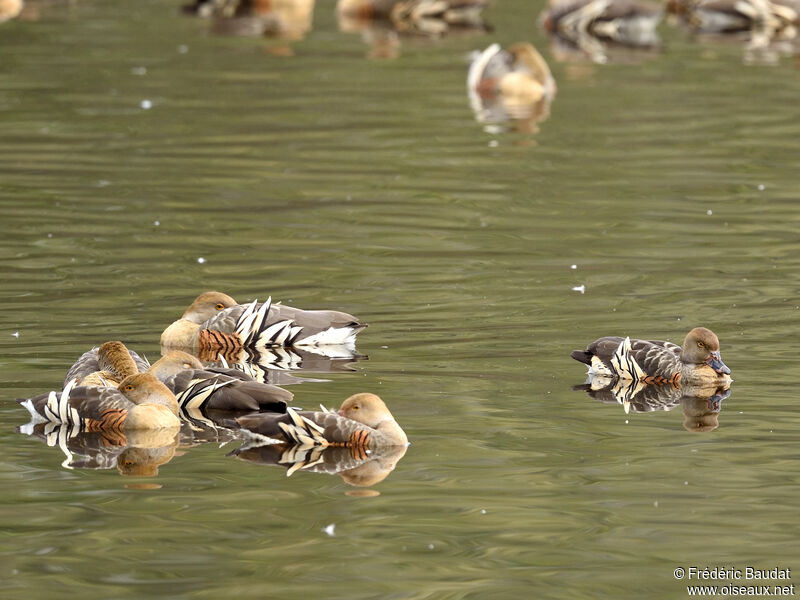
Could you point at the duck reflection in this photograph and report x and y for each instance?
(601, 30)
(701, 405)
(285, 19)
(135, 453)
(277, 365)
(383, 23)
(513, 85)
(361, 470)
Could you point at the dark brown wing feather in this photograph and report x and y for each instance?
(656, 358)
(237, 394)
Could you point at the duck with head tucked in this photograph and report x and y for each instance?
(363, 423)
(697, 362)
(216, 322)
(141, 402)
(106, 365)
(513, 83)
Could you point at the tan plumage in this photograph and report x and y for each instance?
(107, 365)
(10, 9)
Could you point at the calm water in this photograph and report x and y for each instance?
(308, 171)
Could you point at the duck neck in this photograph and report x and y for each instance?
(168, 402)
(118, 362)
(164, 368)
(181, 334)
(151, 415)
(393, 432)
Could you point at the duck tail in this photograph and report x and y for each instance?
(582, 356)
(334, 336)
(303, 431)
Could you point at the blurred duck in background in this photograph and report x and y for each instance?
(425, 17)
(284, 19)
(592, 26)
(768, 26)
(510, 85)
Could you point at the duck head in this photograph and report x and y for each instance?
(371, 411)
(206, 305)
(702, 346)
(172, 363)
(144, 388)
(365, 408)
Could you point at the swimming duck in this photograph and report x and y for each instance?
(362, 424)
(141, 402)
(515, 81)
(697, 362)
(216, 321)
(106, 365)
(199, 387)
(590, 23)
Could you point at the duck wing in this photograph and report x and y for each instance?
(198, 388)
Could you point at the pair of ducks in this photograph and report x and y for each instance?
(112, 389)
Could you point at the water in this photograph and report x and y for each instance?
(305, 170)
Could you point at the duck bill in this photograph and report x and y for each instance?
(715, 362)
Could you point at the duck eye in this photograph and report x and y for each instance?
(128, 388)
(219, 306)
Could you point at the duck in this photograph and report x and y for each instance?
(626, 22)
(200, 387)
(696, 363)
(431, 17)
(216, 321)
(275, 18)
(140, 402)
(363, 424)
(762, 18)
(106, 365)
(517, 78)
